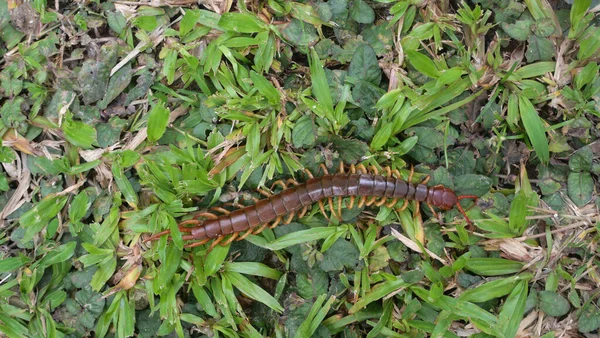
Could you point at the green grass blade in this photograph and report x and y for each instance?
(534, 128)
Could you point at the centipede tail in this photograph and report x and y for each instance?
(369, 186)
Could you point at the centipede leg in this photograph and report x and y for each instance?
(322, 208)
(392, 202)
(374, 169)
(246, 234)
(362, 169)
(350, 203)
(221, 210)
(195, 244)
(381, 202)
(230, 239)
(290, 218)
(352, 169)
(404, 206)
(371, 201)
(275, 223)
(388, 171)
(332, 208)
(339, 207)
(214, 243)
(362, 201)
(460, 208)
(279, 182)
(412, 172)
(264, 192)
(341, 168)
(433, 212)
(303, 212)
(292, 182)
(325, 171)
(308, 173)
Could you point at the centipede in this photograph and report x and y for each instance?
(370, 186)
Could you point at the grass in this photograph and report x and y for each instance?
(121, 119)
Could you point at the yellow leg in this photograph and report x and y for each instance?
(392, 203)
(396, 173)
(280, 183)
(221, 210)
(388, 171)
(325, 171)
(213, 244)
(352, 169)
(339, 205)
(202, 242)
(303, 212)
(246, 234)
(258, 230)
(332, 208)
(426, 179)
(412, 171)
(230, 239)
(292, 182)
(371, 201)
(362, 201)
(308, 173)
(350, 204)
(265, 193)
(290, 218)
(374, 170)
(276, 223)
(322, 207)
(362, 168)
(206, 215)
(341, 169)
(404, 206)
(381, 202)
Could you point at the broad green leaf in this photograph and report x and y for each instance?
(13, 263)
(242, 23)
(301, 237)
(361, 12)
(79, 207)
(553, 304)
(534, 128)
(304, 132)
(78, 133)
(214, 259)
(252, 290)
(253, 268)
(589, 319)
(493, 289)
(578, 9)
(34, 220)
(190, 18)
(315, 316)
(382, 136)
(379, 291)
(581, 160)
(60, 254)
(158, 118)
(364, 65)
(580, 187)
(320, 87)
(423, 64)
(493, 266)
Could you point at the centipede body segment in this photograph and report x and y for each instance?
(369, 186)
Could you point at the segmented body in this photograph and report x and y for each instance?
(254, 218)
